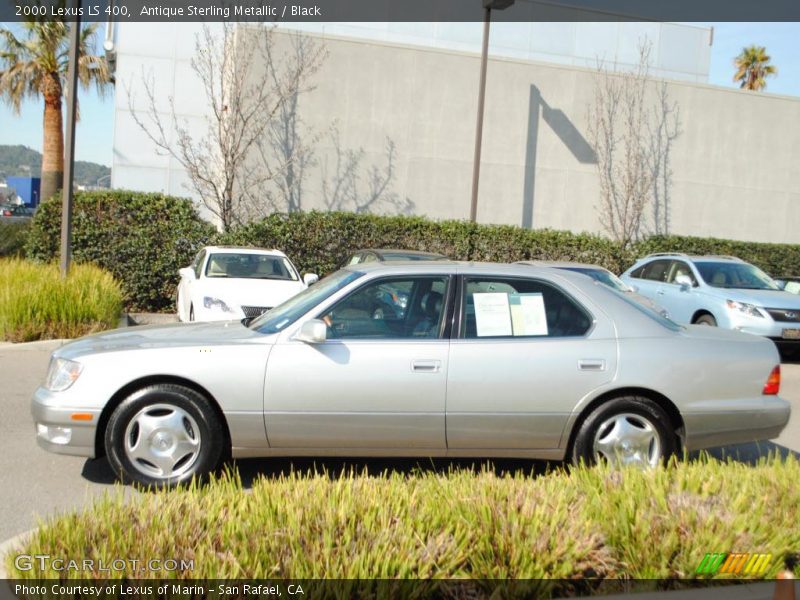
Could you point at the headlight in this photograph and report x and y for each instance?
(216, 303)
(62, 374)
(750, 310)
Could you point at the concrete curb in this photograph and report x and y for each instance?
(33, 345)
(12, 544)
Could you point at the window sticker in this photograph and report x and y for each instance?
(492, 314)
(527, 314)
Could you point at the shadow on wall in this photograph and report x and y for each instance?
(566, 132)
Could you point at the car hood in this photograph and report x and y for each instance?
(163, 336)
(250, 292)
(765, 298)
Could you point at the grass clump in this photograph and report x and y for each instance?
(580, 524)
(36, 304)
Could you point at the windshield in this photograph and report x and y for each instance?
(285, 314)
(250, 266)
(741, 276)
(603, 276)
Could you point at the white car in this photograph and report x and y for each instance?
(226, 282)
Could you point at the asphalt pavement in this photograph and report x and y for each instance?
(35, 484)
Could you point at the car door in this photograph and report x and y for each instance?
(649, 278)
(679, 301)
(527, 352)
(375, 383)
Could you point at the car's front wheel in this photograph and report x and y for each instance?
(627, 431)
(706, 319)
(163, 435)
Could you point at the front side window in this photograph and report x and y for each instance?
(250, 266)
(735, 275)
(396, 308)
(283, 315)
(500, 308)
(681, 268)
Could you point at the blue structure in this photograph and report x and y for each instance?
(27, 188)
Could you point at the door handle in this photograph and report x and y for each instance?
(660, 291)
(426, 366)
(592, 364)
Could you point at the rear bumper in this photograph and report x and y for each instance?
(764, 420)
(56, 429)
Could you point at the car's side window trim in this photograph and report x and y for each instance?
(462, 303)
(446, 309)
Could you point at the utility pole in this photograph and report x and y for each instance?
(488, 5)
(69, 145)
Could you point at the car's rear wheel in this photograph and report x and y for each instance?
(626, 431)
(706, 319)
(163, 435)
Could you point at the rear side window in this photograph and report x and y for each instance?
(656, 270)
(504, 308)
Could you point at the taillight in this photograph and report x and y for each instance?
(773, 384)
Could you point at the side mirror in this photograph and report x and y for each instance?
(187, 273)
(634, 288)
(780, 283)
(313, 332)
(310, 278)
(684, 281)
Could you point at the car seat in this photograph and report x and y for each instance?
(431, 306)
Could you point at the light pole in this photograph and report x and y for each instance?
(69, 145)
(488, 5)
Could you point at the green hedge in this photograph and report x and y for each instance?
(142, 239)
(13, 235)
(775, 259)
(319, 241)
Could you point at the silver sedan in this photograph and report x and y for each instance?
(480, 360)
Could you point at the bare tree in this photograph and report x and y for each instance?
(632, 139)
(347, 187)
(249, 89)
(664, 130)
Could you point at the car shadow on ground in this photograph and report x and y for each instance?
(251, 469)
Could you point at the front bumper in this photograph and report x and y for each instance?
(751, 421)
(57, 429)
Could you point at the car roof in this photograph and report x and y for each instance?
(461, 268)
(561, 264)
(692, 257)
(384, 251)
(243, 250)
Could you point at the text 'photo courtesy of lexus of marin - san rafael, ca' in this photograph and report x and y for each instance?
(479, 360)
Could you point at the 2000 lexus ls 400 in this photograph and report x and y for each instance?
(479, 360)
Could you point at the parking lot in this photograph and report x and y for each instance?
(35, 484)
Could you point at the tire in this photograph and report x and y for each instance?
(706, 319)
(191, 313)
(630, 430)
(184, 436)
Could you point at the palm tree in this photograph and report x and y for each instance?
(752, 68)
(36, 65)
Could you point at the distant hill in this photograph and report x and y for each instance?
(21, 161)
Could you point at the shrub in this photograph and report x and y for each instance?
(13, 235)
(35, 303)
(142, 239)
(565, 524)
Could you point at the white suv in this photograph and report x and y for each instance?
(720, 291)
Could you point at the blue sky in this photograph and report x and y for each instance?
(95, 131)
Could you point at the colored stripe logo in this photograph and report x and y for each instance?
(734, 563)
